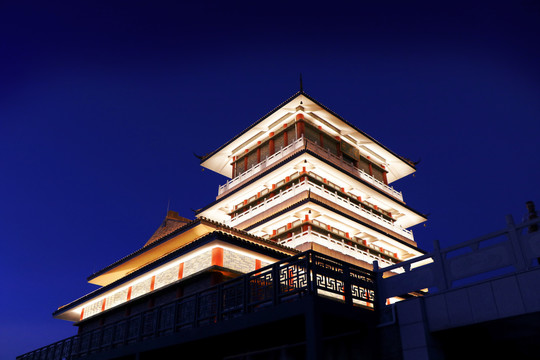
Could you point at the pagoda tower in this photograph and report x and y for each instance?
(304, 177)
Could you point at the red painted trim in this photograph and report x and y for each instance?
(217, 256)
(103, 304)
(129, 294)
(82, 314)
(285, 138)
(271, 146)
(257, 264)
(180, 271)
(153, 283)
(300, 128)
(291, 278)
(299, 116)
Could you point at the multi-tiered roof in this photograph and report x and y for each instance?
(301, 178)
(304, 177)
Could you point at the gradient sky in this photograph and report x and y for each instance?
(103, 104)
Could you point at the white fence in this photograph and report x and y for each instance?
(512, 248)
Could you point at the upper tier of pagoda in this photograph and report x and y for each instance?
(241, 154)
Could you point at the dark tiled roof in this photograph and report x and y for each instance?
(171, 223)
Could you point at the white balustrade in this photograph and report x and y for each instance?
(325, 193)
(346, 203)
(353, 169)
(334, 244)
(255, 169)
(296, 145)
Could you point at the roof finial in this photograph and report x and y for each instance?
(301, 85)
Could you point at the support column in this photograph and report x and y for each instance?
(246, 160)
(271, 145)
(300, 127)
(314, 338)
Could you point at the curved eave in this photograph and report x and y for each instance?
(387, 233)
(220, 159)
(265, 247)
(422, 217)
(167, 244)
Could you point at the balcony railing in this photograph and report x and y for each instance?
(325, 193)
(327, 154)
(337, 245)
(255, 169)
(305, 274)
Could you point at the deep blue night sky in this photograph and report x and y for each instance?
(103, 105)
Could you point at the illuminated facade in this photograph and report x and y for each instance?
(308, 208)
(305, 178)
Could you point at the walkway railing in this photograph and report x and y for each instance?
(510, 249)
(306, 274)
